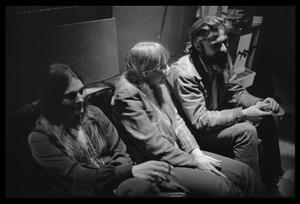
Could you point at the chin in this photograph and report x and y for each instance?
(220, 59)
(76, 119)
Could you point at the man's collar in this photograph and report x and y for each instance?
(210, 68)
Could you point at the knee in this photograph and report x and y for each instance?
(249, 182)
(242, 172)
(248, 131)
(247, 174)
(244, 169)
(136, 187)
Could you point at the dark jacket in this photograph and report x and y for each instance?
(192, 96)
(134, 118)
(78, 179)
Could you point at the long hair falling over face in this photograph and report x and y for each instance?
(54, 84)
(146, 57)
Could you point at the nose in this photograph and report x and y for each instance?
(80, 98)
(223, 48)
(165, 71)
(79, 102)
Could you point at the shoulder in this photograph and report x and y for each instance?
(39, 132)
(38, 137)
(97, 113)
(182, 67)
(183, 63)
(182, 70)
(125, 89)
(95, 109)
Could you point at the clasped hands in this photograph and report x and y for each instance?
(256, 112)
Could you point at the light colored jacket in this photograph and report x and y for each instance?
(192, 98)
(135, 121)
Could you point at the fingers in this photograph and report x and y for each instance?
(263, 108)
(262, 104)
(272, 103)
(164, 167)
(171, 169)
(267, 100)
(214, 162)
(215, 171)
(158, 176)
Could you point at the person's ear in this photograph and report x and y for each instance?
(144, 75)
(196, 44)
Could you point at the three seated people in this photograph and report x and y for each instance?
(152, 148)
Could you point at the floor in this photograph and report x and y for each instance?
(284, 93)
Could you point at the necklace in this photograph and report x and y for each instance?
(95, 159)
(89, 146)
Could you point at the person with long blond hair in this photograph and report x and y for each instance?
(150, 126)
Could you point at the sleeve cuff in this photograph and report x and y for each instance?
(239, 115)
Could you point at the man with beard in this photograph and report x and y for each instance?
(222, 115)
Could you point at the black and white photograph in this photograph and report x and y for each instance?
(150, 101)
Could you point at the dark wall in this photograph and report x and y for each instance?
(164, 24)
(22, 77)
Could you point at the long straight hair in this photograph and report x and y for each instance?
(146, 57)
(53, 86)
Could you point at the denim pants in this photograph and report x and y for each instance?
(239, 142)
(241, 180)
(136, 187)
